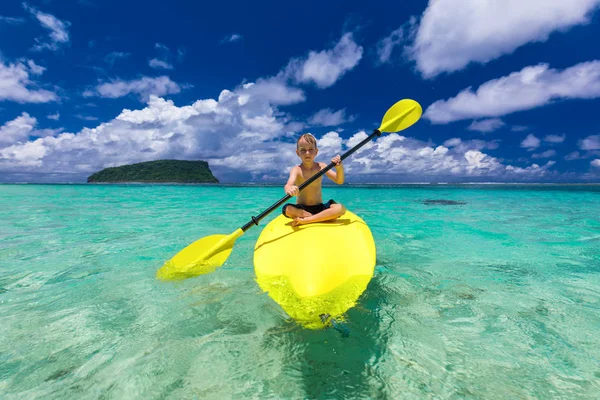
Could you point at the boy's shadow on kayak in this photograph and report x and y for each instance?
(333, 366)
(327, 224)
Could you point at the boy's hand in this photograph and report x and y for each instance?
(292, 190)
(337, 160)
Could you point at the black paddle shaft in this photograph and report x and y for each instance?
(256, 220)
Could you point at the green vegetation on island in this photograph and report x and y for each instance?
(160, 171)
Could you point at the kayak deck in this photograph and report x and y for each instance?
(315, 269)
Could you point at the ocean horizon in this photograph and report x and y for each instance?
(325, 184)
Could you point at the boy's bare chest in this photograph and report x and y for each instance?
(306, 174)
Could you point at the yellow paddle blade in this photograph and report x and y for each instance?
(400, 116)
(201, 257)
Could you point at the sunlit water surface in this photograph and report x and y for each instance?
(495, 298)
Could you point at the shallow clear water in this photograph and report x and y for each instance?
(495, 298)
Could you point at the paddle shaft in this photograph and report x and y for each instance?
(256, 220)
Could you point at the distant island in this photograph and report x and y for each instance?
(160, 171)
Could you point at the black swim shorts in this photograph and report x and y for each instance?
(314, 209)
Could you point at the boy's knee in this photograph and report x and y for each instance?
(340, 209)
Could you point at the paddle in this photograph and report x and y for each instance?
(208, 253)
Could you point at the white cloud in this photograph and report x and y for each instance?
(451, 35)
(486, 125)
(15, 84)
(58, 30)
(231, 38)
(17, 130)
(328, 117)
(244, 135)
(452, 142)
(241, 140)
(11, 20)
(34, 68)
(272, 90)
(595, 163)
(386, 46)
(530, 142)
(20, 129)
(531, 87)
(330, 144)
(590, 143)
(164, 61)
(477, 160)
(573, 156)
(234, 133)
(143, 87)
(555, 138)
(545, 154)
(519, 128)
(55, 117)
(159, 64)
(394, 157)
(326, 67)
(112, 57)
(181, 54)
(86, 117)
(533, 170)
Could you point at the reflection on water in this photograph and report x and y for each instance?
(331, 366)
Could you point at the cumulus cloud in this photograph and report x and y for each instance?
(545, 154)
(159, 64)
(451, 36)
(590, 143)
(243, 134)
(330, 144)
(234, 37)
(595, 163)
(395, 157)
(20, 129)
(486, 125)
(533, 170)
(143, 87)
(530, 142)
(58, 35)
(452, 142)
(531, 87)
(326, 67)
(272, 90)
(54, 117)
(236, 133)
(573, 156)
(34, 68)
(15, 84)
(243, 137)
(328, 117)
(555, 138)
(163, 61)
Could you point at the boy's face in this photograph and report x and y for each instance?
(306, 151)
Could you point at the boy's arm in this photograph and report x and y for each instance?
(338, 175)
(290, 187)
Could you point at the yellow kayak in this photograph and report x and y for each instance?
(315, 269)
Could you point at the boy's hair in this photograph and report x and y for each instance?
(308, 138)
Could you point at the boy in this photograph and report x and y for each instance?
(309, 205)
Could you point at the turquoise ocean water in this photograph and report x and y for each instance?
(495, 298)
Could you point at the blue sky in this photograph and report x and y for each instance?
(510, 90)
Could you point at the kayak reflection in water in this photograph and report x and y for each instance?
(309, 205)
